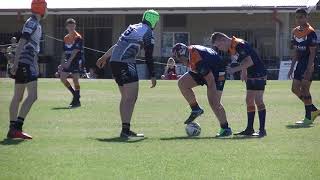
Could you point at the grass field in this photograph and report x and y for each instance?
(82, 143)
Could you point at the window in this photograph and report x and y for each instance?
(169, 39)
(132, 19)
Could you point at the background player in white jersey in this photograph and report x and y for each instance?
(25, 69)
(122, 57)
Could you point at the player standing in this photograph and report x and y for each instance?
(304, 43)
(73, 57)
(207, 68)
(253, 73)
(122, 57)
(25, 70)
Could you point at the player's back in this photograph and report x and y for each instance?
(131, 41)
(32, 32)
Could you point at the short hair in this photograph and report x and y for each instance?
(302, 11)
(217, 36)
(70, 21)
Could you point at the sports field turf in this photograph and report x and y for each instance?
(82, 143)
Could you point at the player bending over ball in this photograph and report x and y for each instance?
(73, 54)
(253, 73)
(122, 57)
(206, 69)
(25, 70)
(304, 43)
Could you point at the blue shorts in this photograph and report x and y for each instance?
(256, 84)
(73, 68)
(219, 80)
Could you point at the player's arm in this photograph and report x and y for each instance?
(244, 65)
(148, 41)
(312, 55)
(294, 55)
(101, 62)
(78, 46)
(211, 89)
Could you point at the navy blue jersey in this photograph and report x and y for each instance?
(302, 40)
(202, 60)
(72, 42)
(241, 49)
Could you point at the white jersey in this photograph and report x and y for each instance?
(131, 41)
(32, 32)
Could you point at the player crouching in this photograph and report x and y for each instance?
(205, 66)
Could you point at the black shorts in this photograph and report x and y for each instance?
(124, 73)
(300, 70)
(256, 84)
(73, 68)
(219, 80)
(25, 74)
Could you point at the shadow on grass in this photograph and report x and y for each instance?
(60, 108)
(199, 138)
(8, 142)
(298, 126)
(121, 140)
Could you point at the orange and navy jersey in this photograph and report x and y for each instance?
(241, 49)
(302, 40)
(71, 42)
(202, 60)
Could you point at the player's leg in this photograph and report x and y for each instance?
(32, 88)
(261, 112)
(65, 82)
(129, 95)
(296, 88)
(76, 101)
(251, 111)
(14, 106)
(186, 83)
(311, 112)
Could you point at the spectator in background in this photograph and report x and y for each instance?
(3, 63)
(170, 72)
(10, 53)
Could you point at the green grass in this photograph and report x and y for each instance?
(82, 144)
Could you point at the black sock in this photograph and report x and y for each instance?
(250, 119)
(19, 123)
(262, 119)
(308, 109)
(71, 90)
(12, 124)
(77, 93)
(195, 107)
(125, 127)
(313, 108)
(224, 126)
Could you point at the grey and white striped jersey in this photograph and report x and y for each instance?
(131, 41)
(32, 32)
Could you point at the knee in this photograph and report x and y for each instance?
(249, 101)
(32, 98)
(130, 99)
(17, 98)
(295, 90)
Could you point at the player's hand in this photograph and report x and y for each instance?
(13, 70)
(153, 82)
(244, 76)
(101, 63)
(290, 74)
(230, 70)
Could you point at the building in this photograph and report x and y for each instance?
(267, 25)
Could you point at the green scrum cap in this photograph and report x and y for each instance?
(151, 16)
